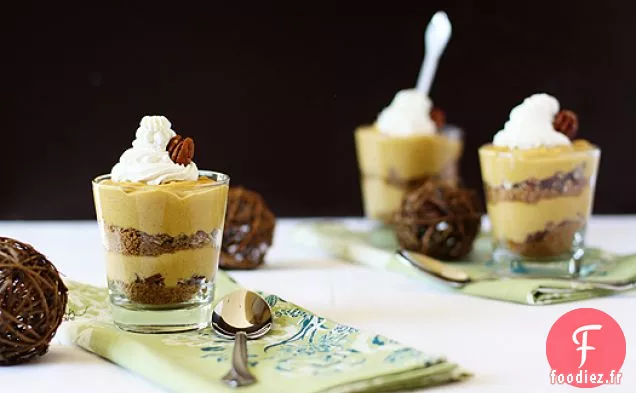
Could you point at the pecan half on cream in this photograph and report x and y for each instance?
(181, 150)
(567, 123)
(438, 116)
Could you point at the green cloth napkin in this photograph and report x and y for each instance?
(376, 247)
(304, 353)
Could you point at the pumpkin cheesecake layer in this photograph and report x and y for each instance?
(404, 157)
(515, 221)
(173, 267)
(175, 209)
(501, 166)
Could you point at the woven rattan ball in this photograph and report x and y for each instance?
(249, 230)
(32, 302)
(439, 220)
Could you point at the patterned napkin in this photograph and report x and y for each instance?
(376, 247)
(304, 352)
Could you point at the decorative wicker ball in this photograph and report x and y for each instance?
(439, 220)
(249, 229)
(32, 302)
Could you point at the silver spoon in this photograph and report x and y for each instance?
(458, 278)
(240, 316)
(437, 34)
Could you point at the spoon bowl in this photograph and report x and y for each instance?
(437, 33)
(242, 315)
(242, 311)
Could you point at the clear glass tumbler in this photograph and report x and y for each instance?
(390, 166)
(539, 201)
(162, 247)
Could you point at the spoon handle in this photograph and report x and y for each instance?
(239, 375)
(617, 286)
(425, 79)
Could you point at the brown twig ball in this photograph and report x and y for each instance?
(439, 220)
(32, 302)
(249, 230)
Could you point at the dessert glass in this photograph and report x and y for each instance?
(390, 166)
(539, 201)
(162, 246)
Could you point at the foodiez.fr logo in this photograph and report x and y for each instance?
(586, 348)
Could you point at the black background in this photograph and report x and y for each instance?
(272, 94)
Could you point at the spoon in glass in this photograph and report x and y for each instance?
(240, 316)
(458, 278)
(437, 34)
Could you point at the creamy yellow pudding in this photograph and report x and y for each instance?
(179, 207)
(505, 165)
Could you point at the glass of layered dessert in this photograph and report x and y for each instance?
(407, 145)
(161, 222)
(539, 183)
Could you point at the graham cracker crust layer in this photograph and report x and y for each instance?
(554, 240)
(153, 291)
(131, 241)
(531, 191)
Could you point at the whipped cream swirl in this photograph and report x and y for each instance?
(148, 160)
(530, 125)
(408, 114)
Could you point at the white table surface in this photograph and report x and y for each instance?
(502, 343)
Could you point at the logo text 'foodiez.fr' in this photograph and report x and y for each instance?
(586, 348)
